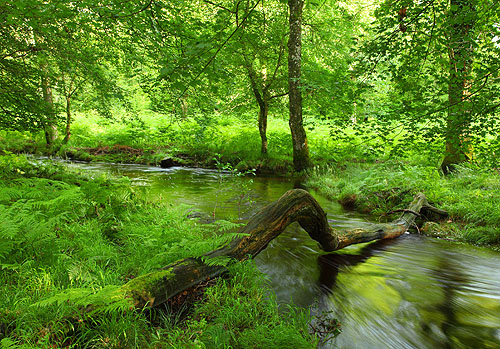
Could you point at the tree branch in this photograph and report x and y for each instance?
(294, 206)
(280, 95)
(136, 12)
(219, 6)
(218, 50)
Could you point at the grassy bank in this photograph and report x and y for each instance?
(358, 173)
(471, 195)
(66, 238)
(193, 141)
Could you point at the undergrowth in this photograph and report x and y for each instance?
(195, 141)
(68, 240)
(471, 195)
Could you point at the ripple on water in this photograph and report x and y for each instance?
(411, 292)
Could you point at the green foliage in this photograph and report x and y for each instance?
(239, 313)
(470, 195)
(68, 240)
(410, 55)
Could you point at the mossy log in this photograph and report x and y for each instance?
(295, 205)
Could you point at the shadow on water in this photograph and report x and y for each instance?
(331, 264)
(411, 292)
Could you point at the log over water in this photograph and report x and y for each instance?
(295, 205)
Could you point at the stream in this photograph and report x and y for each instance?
(410, 292)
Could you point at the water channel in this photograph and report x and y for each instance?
(411, 292)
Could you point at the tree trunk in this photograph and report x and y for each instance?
(299, 140)
(68, 120)
(296, 205)
(184, 106)
(460, 63)
(50, 127)
(263, 110)
(262, 99)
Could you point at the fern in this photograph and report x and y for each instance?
(105, 300)
(222, 261)
(64, 247)
(7, 343)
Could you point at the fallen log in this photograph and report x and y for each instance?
(295, 205)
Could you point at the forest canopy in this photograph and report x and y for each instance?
(396, 75)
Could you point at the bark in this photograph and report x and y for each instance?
(50, 127)
(262, 97)
(263, 110)
(299, 140)
(460, 64)
(67, 135)
(296, 205)
(184, 106)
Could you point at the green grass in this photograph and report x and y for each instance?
(471, 195)
(195, 140)
(67, 240)
(370, 182)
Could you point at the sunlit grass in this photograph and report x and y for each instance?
(471, 195)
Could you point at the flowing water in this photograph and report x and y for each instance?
(410, 292)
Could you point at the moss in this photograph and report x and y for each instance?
(139, 288)
(470, 195)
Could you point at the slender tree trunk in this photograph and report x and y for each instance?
(184, 107)
(461, 16)
(299, 140)
(50, 127)
(263, 111)
(263, 102)
(68, 120)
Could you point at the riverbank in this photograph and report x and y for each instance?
(471, 195)
(164, 156)
(357, 178)
(68, 238)
(190, 141)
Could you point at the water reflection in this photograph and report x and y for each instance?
(331, 264)
(411, 292)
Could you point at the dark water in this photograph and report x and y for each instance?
(411, 292)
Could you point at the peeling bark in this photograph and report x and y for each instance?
(296, 205)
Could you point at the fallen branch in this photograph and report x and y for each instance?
(295, 205)
(404, 210)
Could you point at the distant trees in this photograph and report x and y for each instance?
(461, 17)
(239, 57)
(21, 103)
(187, 56)
(444, 60)
(439, 60)
(50, 50)
(262, 47)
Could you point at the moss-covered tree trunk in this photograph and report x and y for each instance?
(299, 140)
(294, 206)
